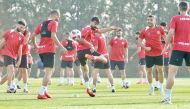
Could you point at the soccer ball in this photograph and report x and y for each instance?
(75, 34)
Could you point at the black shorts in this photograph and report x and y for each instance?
(119, 64)
(178, 56)
(100, 65)
(77, 62)
(24, 62)
(48, 59)
(154, 60)
(65, 64)
(29, 65)
(9, 61)
(166, 61)
(81, 55)
(142, 61)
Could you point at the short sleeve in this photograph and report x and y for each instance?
(53, 26)
(172, 23)
(142, 34)
(38, 29)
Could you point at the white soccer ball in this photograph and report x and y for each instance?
(75, 34)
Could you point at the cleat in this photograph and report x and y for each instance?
(12, 90)
(166, 101)
(26, 91)
(47, 95)
(18, 87)
(94, 90)
(90, 93)
(113, 90)
(42, 97)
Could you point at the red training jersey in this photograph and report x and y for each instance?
(118, 48)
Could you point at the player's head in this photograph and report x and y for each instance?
(183, 6)
(151, 20)
(119, 33)
(137, 35)
(94, 22)
(55, 14)
(75, 34)
(21, 25)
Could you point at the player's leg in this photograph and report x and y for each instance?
(95, 73)
(48, 61)
(85, 69)
(175, 61)
(62, 72)
(80, 73)
(149, 65)
(70, 72)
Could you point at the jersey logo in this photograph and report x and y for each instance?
(122, 43)
(158, 32)
(19, 38)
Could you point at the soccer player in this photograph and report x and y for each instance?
(12, 43)
(47, 48)
(23, 68)
(166, 57)
(100, 46)
(118, 50)
(153, 48)
(142, 64)
(85, 47)
(179, 29)
(67, 60)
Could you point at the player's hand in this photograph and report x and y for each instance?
(164, 50)
(131, 58)
(147, 48)
(126, 60)
(64, 50)
(92, 49)
(18, 63)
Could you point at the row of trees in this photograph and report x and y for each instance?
(128, 14)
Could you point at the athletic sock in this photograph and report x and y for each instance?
(168, 93)
(42, 90)
(87, 84)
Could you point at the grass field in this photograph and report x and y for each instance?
(74, 97)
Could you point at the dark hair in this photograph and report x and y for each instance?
(95, 19)
(183, 5)
(163, 24)
(137, 33)
(22, 22)
(152, 16)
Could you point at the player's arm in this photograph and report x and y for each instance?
(126, 55)
(2, 43)
(82, 40)
(135, 53)
(19, 56)
(27, 38)
(168, 39)
(54, 37)
(33, 38)
(104, 30)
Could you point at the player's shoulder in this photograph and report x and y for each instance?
(86, 28)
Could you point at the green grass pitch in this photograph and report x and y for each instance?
(74, 97)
